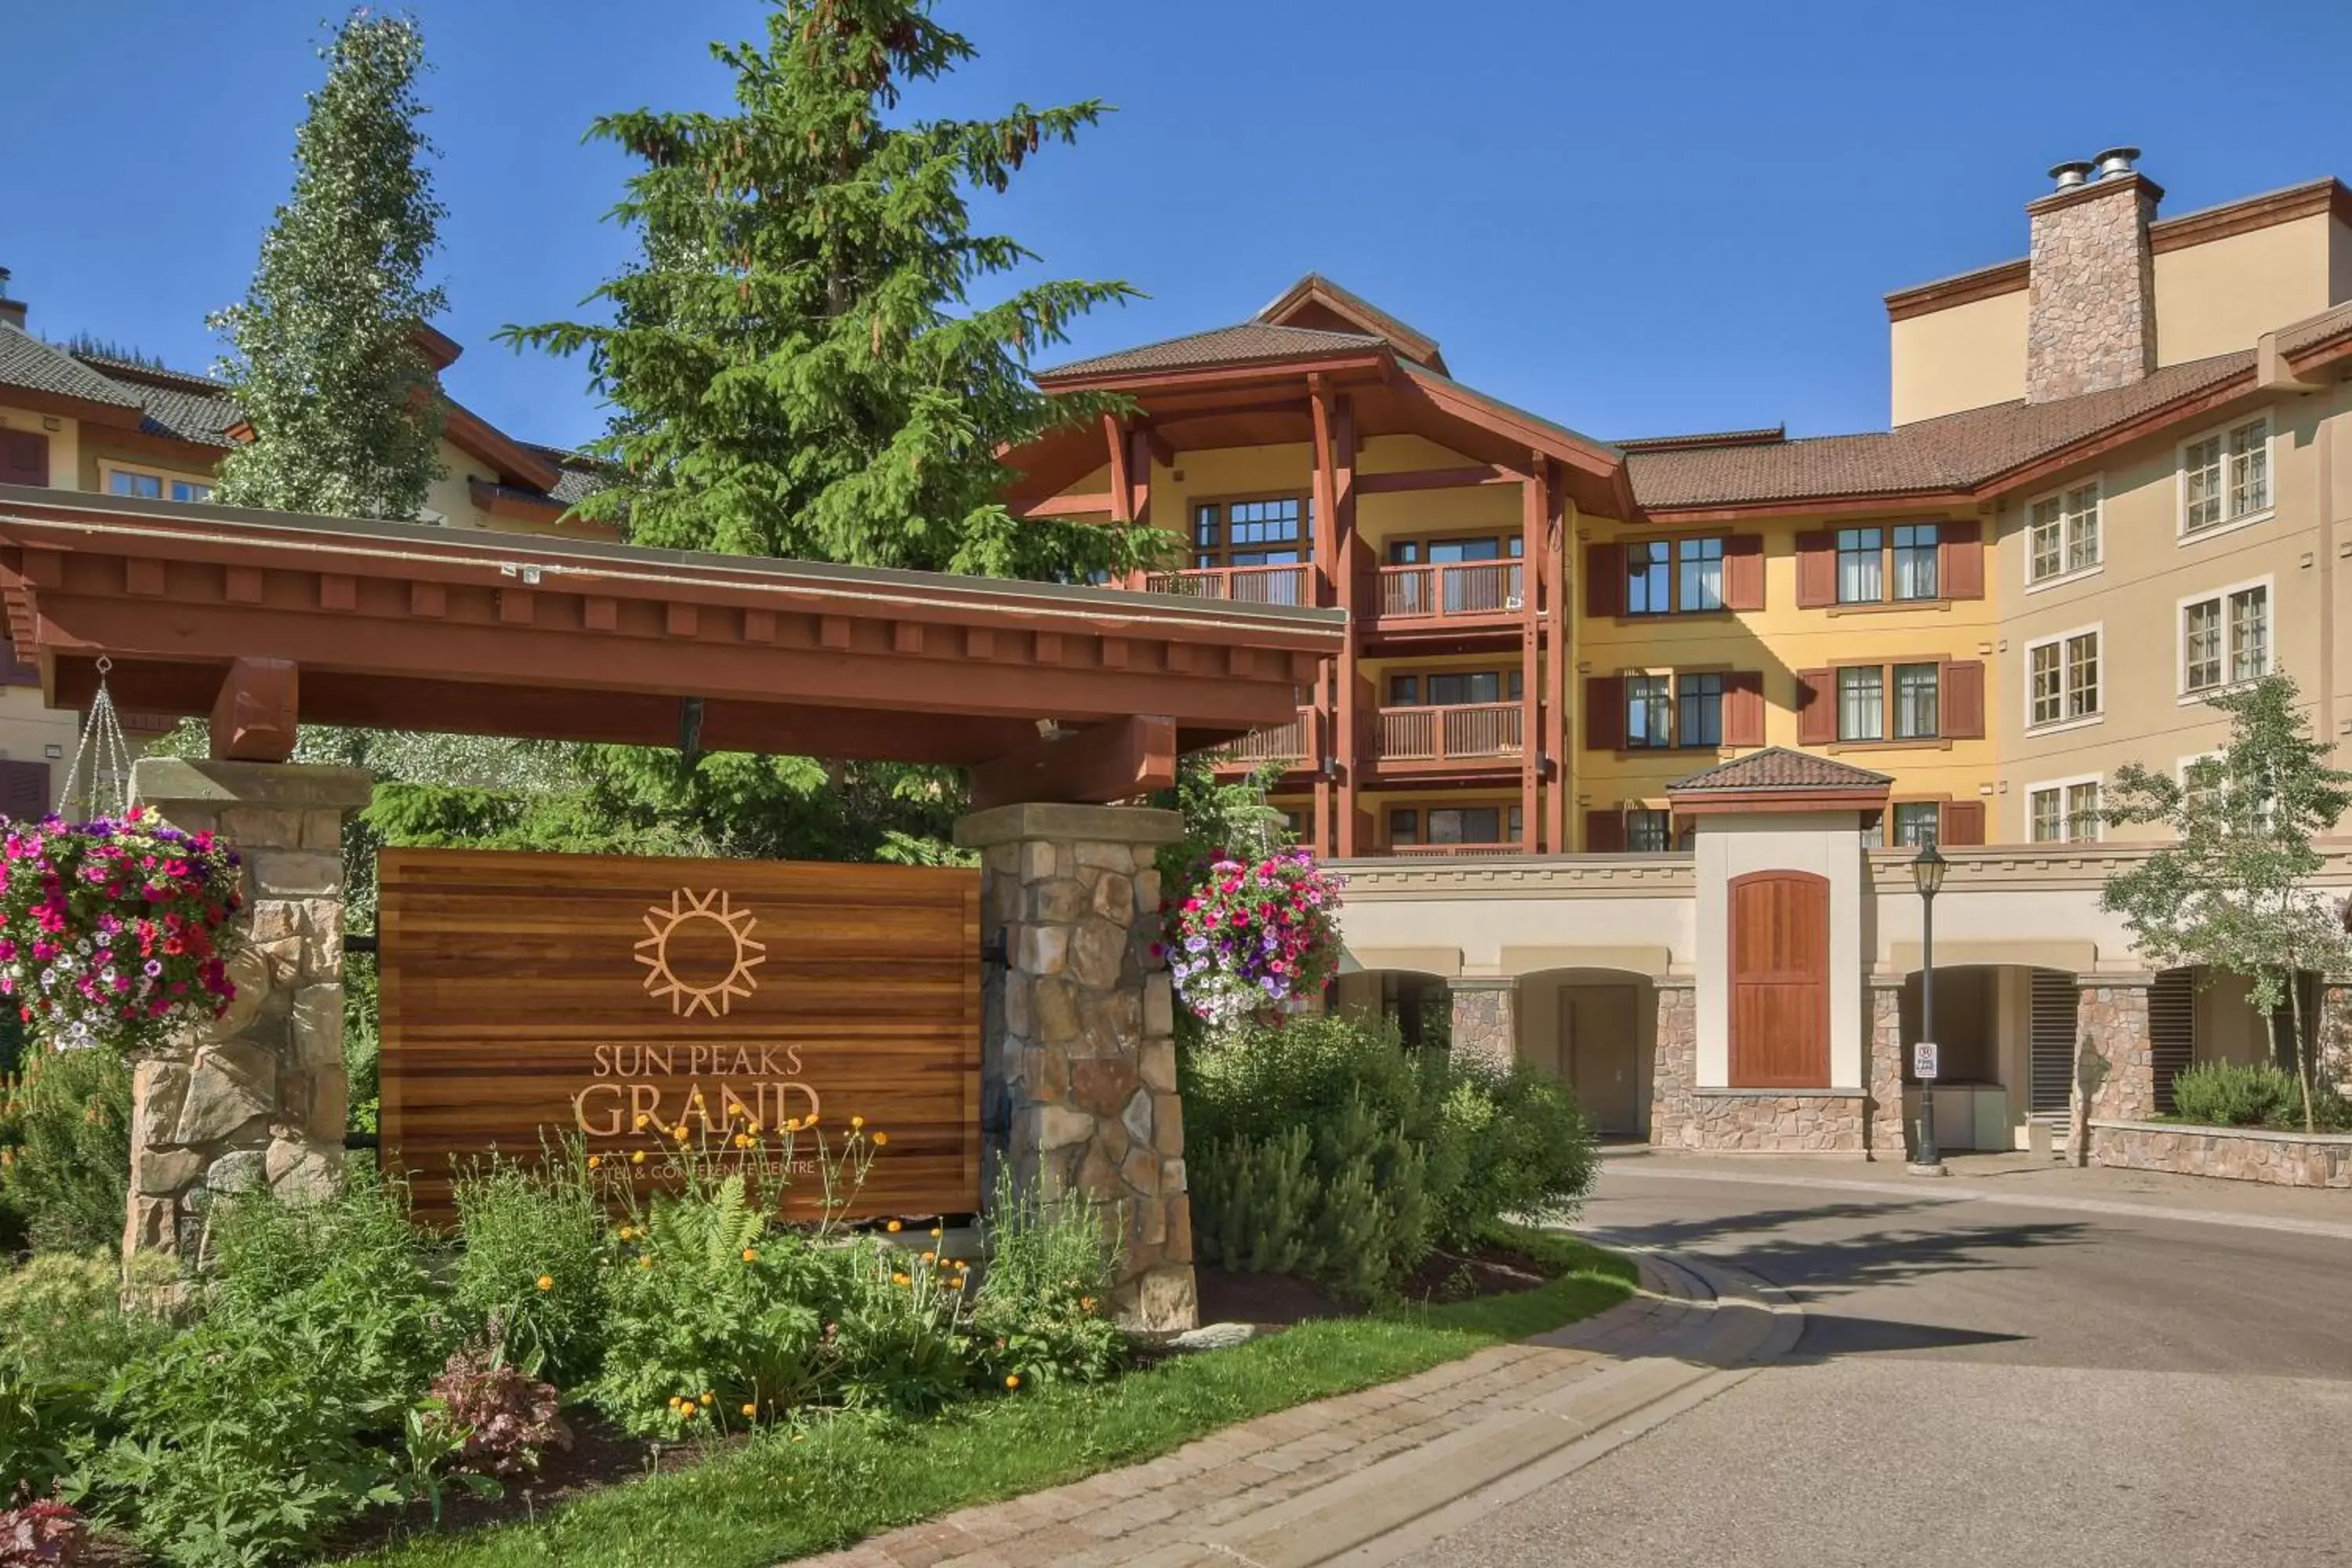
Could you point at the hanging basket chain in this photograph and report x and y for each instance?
(100, 778)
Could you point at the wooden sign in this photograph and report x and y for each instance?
(532, 995)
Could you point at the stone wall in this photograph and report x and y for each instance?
(2091, 290)
(1486, 1021)
(1783, 1122)
(259, 1097)
(2334, 1064)
(2232, 1153)
(1885, 1134)
(2117, 1067)
(1674, 1074)
(1078, 1050)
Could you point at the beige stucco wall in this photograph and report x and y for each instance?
(1520, 915)
(1964, 357)
(1825, 844)
(65, 440)
(2134, 598)
(26, 728)
(2217, 297)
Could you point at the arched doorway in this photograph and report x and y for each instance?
(1595, 1029)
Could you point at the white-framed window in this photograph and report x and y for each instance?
(1649, 831)
(2062, 532)
(1917, 823)
(2225, 638)
(146, 484)
(2225, 476)
(1861, 565)
(1861, 702)
(1918, 687)
(2061, 678)
(2064, 811)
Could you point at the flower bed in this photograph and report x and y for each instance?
(2230, 1153)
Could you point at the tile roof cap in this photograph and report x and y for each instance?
(1778, 770)
(1246, 343)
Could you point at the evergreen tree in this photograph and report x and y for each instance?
(798, 364)
(324, 365)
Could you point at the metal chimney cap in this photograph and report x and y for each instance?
(2116, 160)
(2072, 174)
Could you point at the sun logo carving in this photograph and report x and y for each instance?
(707, 935)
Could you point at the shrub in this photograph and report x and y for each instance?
(1040, 1313)
(65, 1150)
(270, 1422)
(499, 1421)
(2237, 1094)
(531, 1274)
(41, 1533)
(64, 1330)
(1328, 1150)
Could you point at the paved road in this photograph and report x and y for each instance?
(1977, 1383)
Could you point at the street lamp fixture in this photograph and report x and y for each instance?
(1927, 869)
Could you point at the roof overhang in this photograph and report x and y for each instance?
(399, 625)
(479, 439)
(1775, 799)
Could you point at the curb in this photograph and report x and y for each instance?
(1964, 1191)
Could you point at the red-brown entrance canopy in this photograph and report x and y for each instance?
(1047, 693)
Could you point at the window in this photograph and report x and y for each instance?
(1454, 688)
(1862, 706)
(1664, 577)
(142, 486)
(1699, 574)
(1649, 710)
(1405, 828)
(1698, 710)
(2063, 813)
(1915, 561)
(1915, 701)
(2062, 678)
(1917, 823)
(1649, 832)
(185, 491)
(1295, 824)
(1861, 565)
(2226, 638)
(2063, 533)
(2226, 476)
(1405, 691)
(1275, 531)
(1410, 825)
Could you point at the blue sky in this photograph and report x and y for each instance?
(1631, 218)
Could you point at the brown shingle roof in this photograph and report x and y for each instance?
(1224, 346)
(1779, 768)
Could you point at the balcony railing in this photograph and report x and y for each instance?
(1450, 589)
(1450, 734)
(1283, 744)
(1242, 584)
(1452, 851)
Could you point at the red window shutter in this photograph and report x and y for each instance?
(1962, 567)
(1743, 707)
(1962, 701)
(1604, 832)
(1964, 822)
(24, 458)
(1816, 707)
(1604, 712)
(1816, 569)
(1743, 571)
(24, 791)
(1604, 580)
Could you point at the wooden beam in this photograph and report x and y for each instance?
(1437, 479)
(253, 718)
(1117, 760)
(1535, 509)
(1139, 476)
(1122, 482)
(1157, 445)
(1092, 503)
(1347, 721)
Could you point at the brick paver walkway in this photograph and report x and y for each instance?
(1304, 1485)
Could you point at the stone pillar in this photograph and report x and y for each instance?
(1079, 1050)
(1883, 1129)
(259, 1097)
(1674, 1073)
(2335, 1068)
(1485, 1025)
(2115, 1059)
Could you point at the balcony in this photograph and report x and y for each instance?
(1242, 584)
(1285, 743)
(1441, 600)
(1434, 739)
(1451, 851)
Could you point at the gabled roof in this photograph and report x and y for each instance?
(27, 363)
(1778, 769)
(1251, 342)
(1315, 298)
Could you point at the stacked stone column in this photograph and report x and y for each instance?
(2336, 1033)
(1674, 1106)
(1079, 1052)
(259, 1097)
(1883, 1129)
(2115, 1057)
(1486, 1021)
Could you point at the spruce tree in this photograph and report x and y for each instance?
(324, 365)
(798, 364)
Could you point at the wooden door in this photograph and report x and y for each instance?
(1598, 1053)
(1780, 981)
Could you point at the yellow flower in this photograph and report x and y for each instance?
(893, 1227)
(626, 1232)
(812, 1119)
(857, 1121)
(641, 1119)
(647, 1261)
(880, 1138)
(594, 1161)
(743, 1141)
(673, 1402)
(899, 1279)
(931, 1257)
(637, 1157)
(750, 1255)
(753, 1126)
(938, 1231)
(1012, 1380)
(708, 1396)
(686, 1412)
(751, 1411)
(793, 1125)
(679, 1131)
(1086, 1303)
(546, 1282)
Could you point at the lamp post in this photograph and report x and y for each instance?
(1927, 875)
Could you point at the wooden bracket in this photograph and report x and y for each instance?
(1117, 760)
(253, 718)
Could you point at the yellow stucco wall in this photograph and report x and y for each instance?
(65, 440)
(1964, 357)
(2219, 297)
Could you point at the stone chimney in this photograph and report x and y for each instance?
(11, 310)
(2091, 293)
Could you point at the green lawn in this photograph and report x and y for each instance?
(779, 1498)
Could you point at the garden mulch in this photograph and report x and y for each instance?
(1272, 1301)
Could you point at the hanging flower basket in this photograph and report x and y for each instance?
(1255, 939)
(113, 932)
